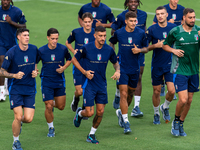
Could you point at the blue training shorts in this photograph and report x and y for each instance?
(157, 74)
(190, 83)
(27, 101)
(129, 79)
(91, 94)
(49, 93)
(78, 79)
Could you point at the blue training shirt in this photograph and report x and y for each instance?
(103, 13)
(8, 32)
(120, 20)
(96, 60)
(160, 57)
(173, 14)
(17, 60)
(51, 59)
(129, 62)
(81, 38)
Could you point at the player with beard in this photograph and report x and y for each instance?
(185, 64)
(132, 5)
(161, 63)
(96, 56)
(101, 14)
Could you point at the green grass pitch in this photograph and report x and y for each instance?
(62, 14)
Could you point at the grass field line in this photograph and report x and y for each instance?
(80, 4)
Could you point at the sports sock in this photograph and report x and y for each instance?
(156, 110)
(93, 130)
(50, 124)
(166, 104)
(177, 118)
(137, 101)
(15, 138)
(125, 117)
(181, 122)
(117, 92)
(79, 113)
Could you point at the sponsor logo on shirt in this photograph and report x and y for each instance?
(181, 39)
(86, 40)
(94, 14)
(4, 17)
(53, 57)
(25, 59)
(165, 35)
(196, 37)
(98, 56)
(130, 40)
(174, 16)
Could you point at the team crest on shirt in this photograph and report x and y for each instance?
(43, 95)
(196, 37)
(98, 56)
(130, 40)
(84, 101)
(86, 40)
(136, 21)
(26, 59)
(11, 103)
(174, 16)
(165, 35)
(4, 17)
(94, 14)
(53, 57)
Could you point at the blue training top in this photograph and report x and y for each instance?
(8, 32)
(17, 60)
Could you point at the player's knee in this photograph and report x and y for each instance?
(18, 118)
(171, 92)
(157, 92)
(124, 94)
(100, 112)
(61, 107)
(49, 107)
(183, 100)
(28, 119)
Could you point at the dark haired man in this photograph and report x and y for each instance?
(96, 56)
(132, 5)
(20, 67)
(81, 36)
(161, 63)
(53, 57)
(185, 64)
(11, 19)
(132, 41)
(101, 14)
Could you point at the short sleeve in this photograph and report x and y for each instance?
(80, 13)
(71, 38)
(113, 57)
(114, 39)
(117, 23)
(81, 53)
(67, 55)
(155, 19)
(149, 35)
(7, 60)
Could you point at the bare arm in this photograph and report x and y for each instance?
(62, 68)
(105, 25)
(80, 21)
(177, 52)
(4, 73)
(116, 75)
(112, 45)
(89, 74)
(69, 46)
(9, 20)
(137, 50)
(112, 32)
(157, 45)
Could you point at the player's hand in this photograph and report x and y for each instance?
(136, 50)
(160, 43)
(18, 75)
(60, 70)
(34, 73)
(75, 51)
(8, 19)
(98, 23)
(89, 74)
(178, 52)
(116, 76)
(171, 20)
